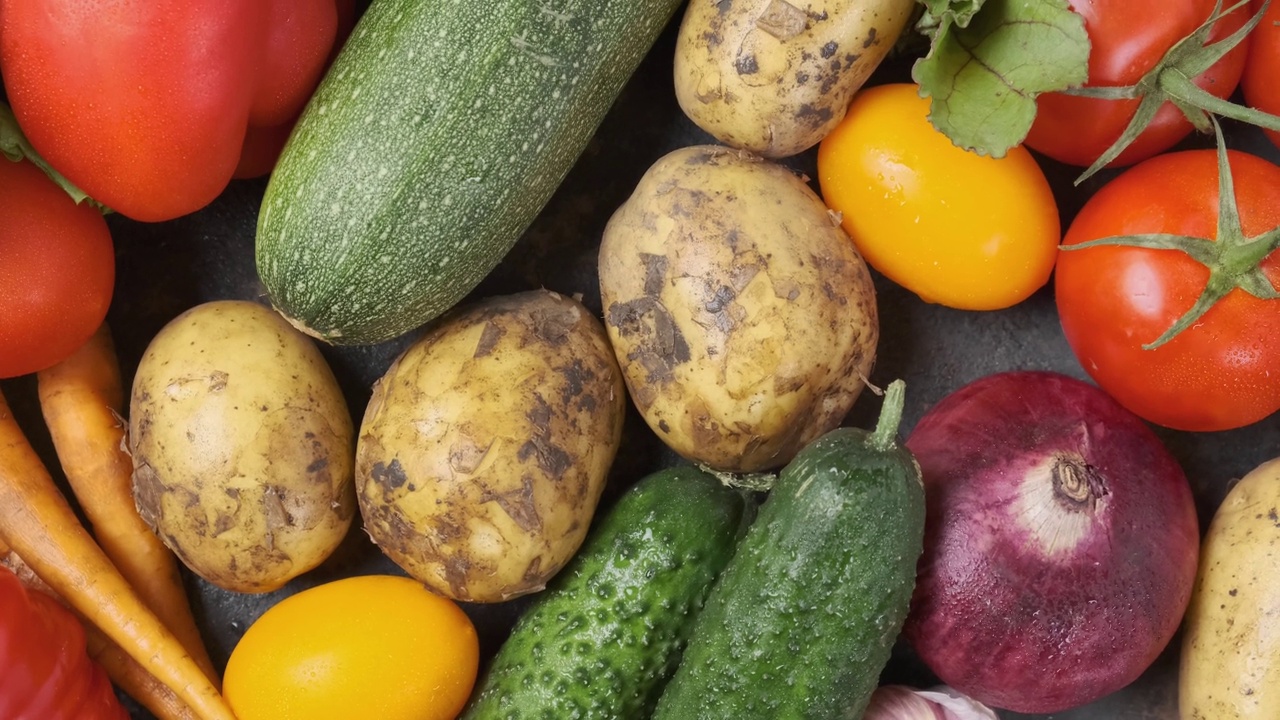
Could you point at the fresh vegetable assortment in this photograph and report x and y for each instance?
(539, 376)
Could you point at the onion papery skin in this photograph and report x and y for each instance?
(1061, 543)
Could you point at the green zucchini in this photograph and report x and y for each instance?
(606, 634)
(802, 621)
(439, 133)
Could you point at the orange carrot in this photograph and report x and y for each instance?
(123, 670)
(129, 676)
(38, 523)
(83, 399)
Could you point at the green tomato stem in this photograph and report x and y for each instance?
(1171, 81)
(1233, 259)
(1180, 87)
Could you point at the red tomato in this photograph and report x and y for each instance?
(1129, 37)
(57, 270)
(145, 105)
(45, 673)
(1220, 373)
(1262, 70)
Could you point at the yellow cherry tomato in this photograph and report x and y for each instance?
(956, 228)
(376, 646)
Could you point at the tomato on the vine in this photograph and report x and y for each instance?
(956, 228)
(1261, 82)
(1222, 369)
(57, 270)
(1128, 38)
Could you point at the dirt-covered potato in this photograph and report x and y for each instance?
(486, 445)
(742, 316)
(774, 77)
(242, 446)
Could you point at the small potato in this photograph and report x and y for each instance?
(742, 316)
(487, 444)
(774, 77)
(1231, 645)
(242, 446)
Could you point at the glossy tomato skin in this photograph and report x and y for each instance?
(145, 105)
(1223, 372)
(375, 646)
(956, 228)
(1128, 38)
(45, 673)
(1261, 81)
(57, 270)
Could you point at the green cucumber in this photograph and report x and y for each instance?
(802, 621)
(439, 133)
(607, 632)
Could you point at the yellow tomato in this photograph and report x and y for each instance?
(956, 228)
(378, 646)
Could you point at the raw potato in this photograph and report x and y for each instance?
(1231, 646)
(742, 315)
(242, 446)
(487, 444)
(774, 77)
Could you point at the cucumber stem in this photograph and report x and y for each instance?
(886, 433)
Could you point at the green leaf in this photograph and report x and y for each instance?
(984, 78)
(15, 147)
(951, 12)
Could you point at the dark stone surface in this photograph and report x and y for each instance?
(166, 268)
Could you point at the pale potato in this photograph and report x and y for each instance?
(1231, 646)
(741, 314)
(242, 446)
(774, 77)
(487, 444)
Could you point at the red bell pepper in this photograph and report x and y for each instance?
(45, 672)
(145, 106)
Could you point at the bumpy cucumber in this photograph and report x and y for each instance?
(607, 633)
(802, 621)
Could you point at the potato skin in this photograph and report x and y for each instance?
(742, 316)
(242, 446)
(774, 77)
(487, 444)
(1231, 645)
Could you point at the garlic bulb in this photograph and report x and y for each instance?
(899, 702)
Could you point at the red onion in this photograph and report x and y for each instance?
(1061, 543)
